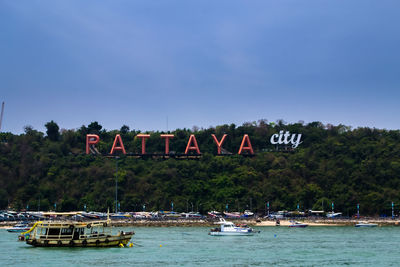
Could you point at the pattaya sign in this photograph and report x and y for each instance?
(280, 138)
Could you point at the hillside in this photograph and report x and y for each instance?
(332, 164)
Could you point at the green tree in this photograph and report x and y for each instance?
(52, 131)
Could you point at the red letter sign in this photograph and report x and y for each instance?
(167, 137)
(118, 148)
(91, 139)
(194, 147)
(143, 136)
(219, 144)
(249, 148)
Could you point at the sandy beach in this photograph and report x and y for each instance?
(335, 222)
(287, 223)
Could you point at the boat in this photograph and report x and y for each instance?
(333, 215)
(19, 227)
(229, 228)
(298, 224)
(214, 214)
(191, 215)
(235, 215)
(248, 213)
(366, 224)
(74, 234)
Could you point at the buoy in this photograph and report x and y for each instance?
(130, 245)
(160, 246)
(121, 245)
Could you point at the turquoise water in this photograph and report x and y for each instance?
(192, 246)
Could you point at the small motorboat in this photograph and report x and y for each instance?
(229, 228)
(366, 224)
(19, 228)
(298, 224)
(248, 213)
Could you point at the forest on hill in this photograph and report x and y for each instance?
(333, 164)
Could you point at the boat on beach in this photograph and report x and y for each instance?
(366, 224)
(19, 227)
(248, 213)
(298, 224)
(229, 228)
(74, 234)
(235, 215)
(214, 214)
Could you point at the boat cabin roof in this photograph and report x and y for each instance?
(68, 224)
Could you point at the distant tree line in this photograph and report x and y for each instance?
(334, 164)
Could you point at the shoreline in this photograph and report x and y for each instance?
(252, 222)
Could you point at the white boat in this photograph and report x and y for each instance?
(19, 228)
(298, 224)
(229, 228)
(333, 215)
(248, 213)
(366, 224)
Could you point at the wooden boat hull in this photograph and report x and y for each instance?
(108, 241)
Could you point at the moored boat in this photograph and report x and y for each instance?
(74, 234)
(19, 227)
(229, 228)
(366, 224)
(298, 224)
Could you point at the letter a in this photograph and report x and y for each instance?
(219, 144)
(248, 148)
(194, 147)
(118, 148)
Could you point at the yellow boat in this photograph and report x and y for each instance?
(74, 234)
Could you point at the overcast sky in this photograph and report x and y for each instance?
(202, 63)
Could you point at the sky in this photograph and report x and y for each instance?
(165, 64)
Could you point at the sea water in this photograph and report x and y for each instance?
(192, 246)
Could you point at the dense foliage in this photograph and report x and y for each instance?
(333, 164)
